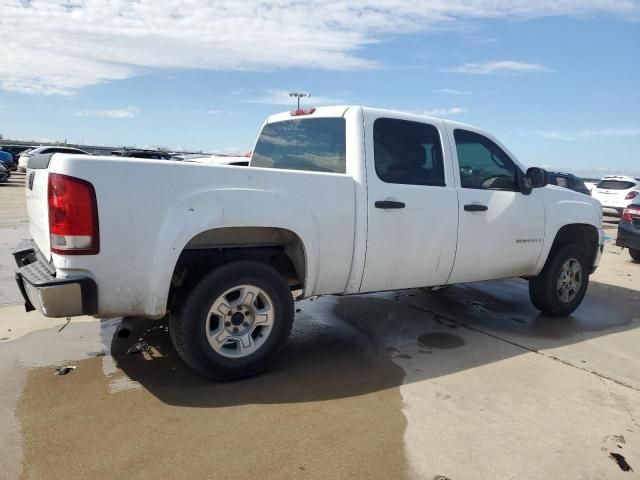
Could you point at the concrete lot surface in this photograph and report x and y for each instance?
(468, 382)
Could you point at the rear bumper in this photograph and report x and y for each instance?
(612, 203)
(51, 296)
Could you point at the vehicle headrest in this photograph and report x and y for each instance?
(412, 155)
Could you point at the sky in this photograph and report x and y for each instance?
(555, 81)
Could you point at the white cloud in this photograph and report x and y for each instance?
(453, 92)
(59, 46)
(503, 66)
(443, 112)
(588, 133)
(126, 112)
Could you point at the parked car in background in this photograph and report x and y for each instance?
(617, 192)
(217, 159)
(6, 160)
(4, 173)
(23, 161)
(336, 200)
(136, 153)
(15, 151)
(629, 230)
(569, 181)
(591, 183)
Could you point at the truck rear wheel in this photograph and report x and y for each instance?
(562, 284)
(635, 254)
(235, 322)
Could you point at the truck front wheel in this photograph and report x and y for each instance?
(235, 322)
(562, 284)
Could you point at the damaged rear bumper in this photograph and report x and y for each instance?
(52, 296)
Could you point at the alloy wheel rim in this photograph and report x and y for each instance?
(570, 280)
(240, 321)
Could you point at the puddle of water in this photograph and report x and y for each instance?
(329, 399)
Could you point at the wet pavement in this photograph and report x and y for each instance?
(464, 382)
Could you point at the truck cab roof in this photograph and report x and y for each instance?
(340, 110)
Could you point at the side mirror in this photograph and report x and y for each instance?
(537, 177)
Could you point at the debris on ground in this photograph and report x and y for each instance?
(63, 326)
(621, 461)
(139, 347)
(64, 370)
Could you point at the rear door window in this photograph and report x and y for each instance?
(313, 144)
(616, 185)
(408, 152)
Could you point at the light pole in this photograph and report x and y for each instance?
(299, 95)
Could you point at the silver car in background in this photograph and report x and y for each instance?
(23, 161)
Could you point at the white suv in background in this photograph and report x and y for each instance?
(617, 192)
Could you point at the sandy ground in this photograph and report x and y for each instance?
(469, 382)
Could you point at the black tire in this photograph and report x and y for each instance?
(543, 289)
(635, 254)
(187, 326)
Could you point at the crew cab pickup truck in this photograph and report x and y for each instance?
(336, 200)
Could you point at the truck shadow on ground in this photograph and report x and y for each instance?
(348, 346)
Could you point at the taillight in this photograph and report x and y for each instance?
(73, 216)
(631, 195)
(302, 111)
(627, 212)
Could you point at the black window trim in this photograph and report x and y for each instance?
(440, 140)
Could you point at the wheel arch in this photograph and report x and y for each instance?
(584, 234)
(280, 248)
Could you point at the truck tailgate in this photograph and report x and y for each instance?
(37, 205)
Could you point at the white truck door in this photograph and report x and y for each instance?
(501, 230)
(412, 203)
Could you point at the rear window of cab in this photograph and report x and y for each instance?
(311, 144)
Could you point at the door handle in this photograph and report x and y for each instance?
(387, 204)
(474, 207)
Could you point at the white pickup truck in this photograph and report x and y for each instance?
(336, 200)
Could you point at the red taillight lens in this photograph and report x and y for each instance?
(73, 216)
(631, 195)
(627, 212)
(301, 111)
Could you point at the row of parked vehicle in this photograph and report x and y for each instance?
(614, 192)
(16, 157)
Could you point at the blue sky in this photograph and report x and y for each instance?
(557, 82)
